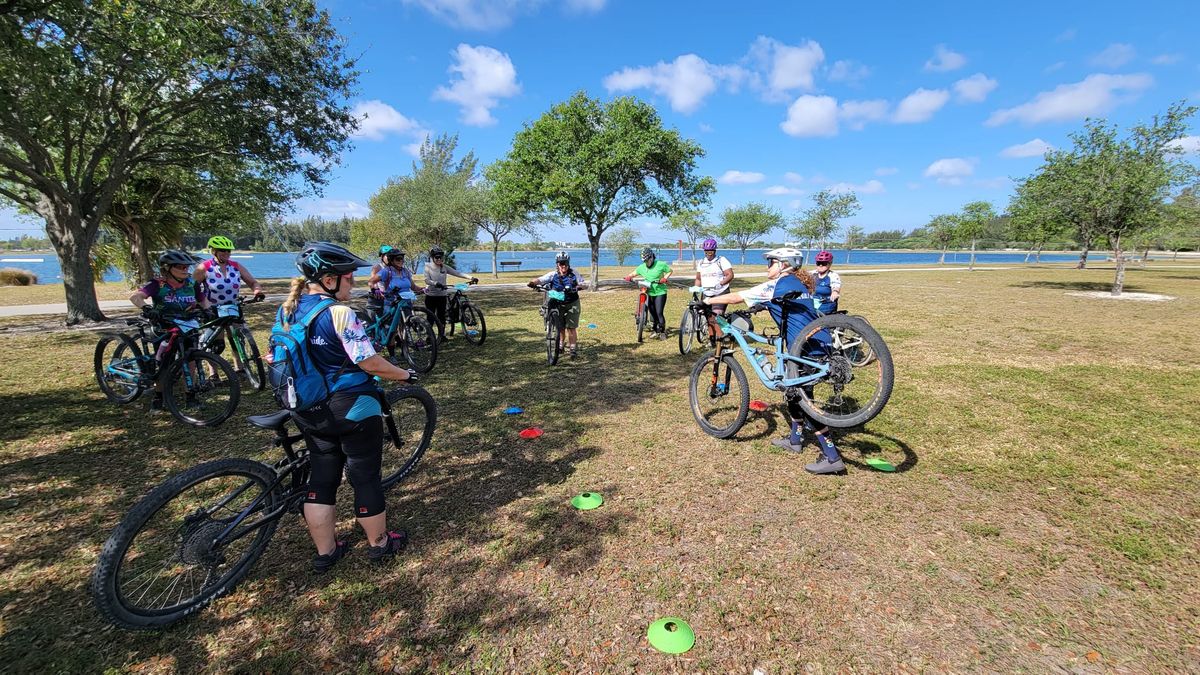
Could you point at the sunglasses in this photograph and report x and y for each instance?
(180, 267)
(822, 264)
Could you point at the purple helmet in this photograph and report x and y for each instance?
(709, 244)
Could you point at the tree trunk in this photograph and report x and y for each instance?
(595, 242)
(1083, 257)
(1175, 256)
(495, 250)
(943, 259)
(1145, 256)
(141, 257)
(744, 255)
(971, 267)
(1119, 280)
(848, 255)
(72, 239)
(1028, 254)
(1038, 258)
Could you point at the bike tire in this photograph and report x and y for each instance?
(474, 325)
(253, 363)
(123, 611)
(703, 387)
(688, 328)
(215, 375)
(403, 403)
(553, 337)
(419, 340)
(641, 323)
(128, 357)
(827, 401)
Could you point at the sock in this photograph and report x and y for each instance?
(797, 436)
(828, 448)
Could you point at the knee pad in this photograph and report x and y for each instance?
(368, 491)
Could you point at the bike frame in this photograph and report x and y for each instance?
(774, 379)
(393, 314)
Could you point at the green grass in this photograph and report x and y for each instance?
(1045, 495)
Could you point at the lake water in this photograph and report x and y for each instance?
(281, 265)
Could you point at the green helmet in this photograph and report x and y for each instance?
(223, 243)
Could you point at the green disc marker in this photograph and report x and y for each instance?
(880, 464)
(587, 501)
(671, 635)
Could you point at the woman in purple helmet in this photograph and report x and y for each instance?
(713, 273)
(829, 284)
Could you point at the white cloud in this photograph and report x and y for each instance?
(741, 177)
(812, 116)
(870, 187)
(485, 76)
(1189, 145)
(1114, 56)
(795, 204)
(920, 105)
(1035, 148)
(848, 71)
(787, 67)
(1166, 59)
(1095, 95)
(975, 88)
(335, 208)
(858, 113)
(686, 81)
(782, 190)
(945, 60)
(705, 128)
(377, 119)
(493, 14)
(912, 185)
(793, 177)
(951, 170)
(886, 171)
(998, 183)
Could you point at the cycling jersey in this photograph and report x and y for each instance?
(391, 280)
(800, 308)
(222, 286)
(173, 301)
(653, 274)
(712, 272)
(568, 283)
(337, 343)
(435, 279)
(826, 285)
(757, 295)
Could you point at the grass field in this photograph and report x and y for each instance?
(1045, 516)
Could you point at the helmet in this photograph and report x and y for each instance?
(709, 244)
(319, 258)
(824, 256)
(223, 243)
(174, 256)
(648, 254)
(384, 249)
(562, 257)
(436, 252)
(793, 257)
(393, 253)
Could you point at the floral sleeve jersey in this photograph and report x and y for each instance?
(351, 333)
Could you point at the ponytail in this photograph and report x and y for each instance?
(806, 279)
(299, 285)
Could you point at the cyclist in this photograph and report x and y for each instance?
(829, 284)
(174, 295)
(393, 275)
(800, 313)
(657, 273)
(436, 273)
(713, 273)
(564, 278)
(346, 431)
(221, 278)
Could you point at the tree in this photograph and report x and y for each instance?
(971, 223)
(95, 92)
(1032, 219)
(741, 226)
(1180, 226)
(599, 164)
(691, 223)
(854, 234)
(820, 220)
(623, 242)
(943, 232)
(482, 210)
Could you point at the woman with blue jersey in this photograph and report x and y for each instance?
(565, 279)
(346, 431)
(393, 276)
(828, 284)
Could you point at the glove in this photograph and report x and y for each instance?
(473, 280)
(629, 278)
(259, 296)
(412, 376)
(151, 312)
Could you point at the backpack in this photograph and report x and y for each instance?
(294, 378)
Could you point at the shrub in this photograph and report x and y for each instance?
(11, 276)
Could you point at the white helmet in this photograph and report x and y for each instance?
(793, 257)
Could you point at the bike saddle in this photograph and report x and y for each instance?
(275, 421)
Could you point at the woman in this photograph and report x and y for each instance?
(346, 431)
(221, 277)
(713, 273)
(800, 313)
(436, 273)
(829, 284)
(564, 278)
(174, 295)
(393, 276)
(657, 273)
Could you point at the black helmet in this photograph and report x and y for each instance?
(173, 256)
(562, 257)
(436, 252)
(393, 253)
(319, 258)
(648, 255)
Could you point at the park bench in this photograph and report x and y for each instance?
(510, 263)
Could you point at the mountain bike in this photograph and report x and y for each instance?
(230, 328)
(198, 387)
(807, 370)
(693, 327)
(195, 536)
(460, 309)
(643, 312)
(552, 321)
(401, 325)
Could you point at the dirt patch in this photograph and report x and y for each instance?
(1105, 295)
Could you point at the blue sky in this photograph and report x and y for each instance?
(919, 108)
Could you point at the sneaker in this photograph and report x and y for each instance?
(787, 444)
(323, 563)
(572, 352)
(156, 404)
(823, 466)
(396, 541)
(662, 336)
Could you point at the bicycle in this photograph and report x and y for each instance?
(821, 380)
(693, 327)
(460, 309)
(194, 537)
(403, 325)
(552, 320)
(643, 312)
(198, 387)
(229, 327)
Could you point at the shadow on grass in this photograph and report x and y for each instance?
(1074, 285)
(870, 445)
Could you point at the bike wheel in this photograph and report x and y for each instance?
(854, 347)
(163, 561)
(847, 396)
(688, 327)
(641, 322)
(553, 337)
(419, 343)
(201, 389)
(474, 325)
(719, 394)
(252, 363)
(118, 364)
(408, 430)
